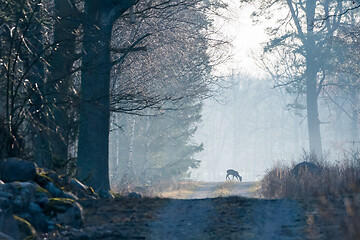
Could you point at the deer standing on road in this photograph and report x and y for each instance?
(234, 173)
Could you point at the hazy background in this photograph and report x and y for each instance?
(252, 126)
(231, 138)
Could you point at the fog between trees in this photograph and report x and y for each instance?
(256, 127)
(308, 102)
(67, 65)
(90, 84)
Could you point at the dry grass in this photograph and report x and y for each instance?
(163, 188)
(180, 190)
(331, 180)
(331, 197)
(255, 190)
(224, 189)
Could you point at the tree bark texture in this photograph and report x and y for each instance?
(315, 143)
(312, 69)
(95, 107)
(129, 174)
(354, 120)
(93, 147)
(61, 63)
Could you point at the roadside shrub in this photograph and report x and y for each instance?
(330, 197)
(342, 177)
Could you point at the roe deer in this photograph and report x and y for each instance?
(234, 173)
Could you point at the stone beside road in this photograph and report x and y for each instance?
(34, 201)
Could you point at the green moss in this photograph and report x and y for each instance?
(91, 190)
(39, 170)
(26, 228)
(60, 227)
(58, 205)
(42, 179)
(42, 190)
(116, 195)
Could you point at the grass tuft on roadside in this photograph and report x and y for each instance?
(161, 188)
(332, 179)
(330, 196)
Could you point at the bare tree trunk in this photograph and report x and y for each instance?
(94, 126)
(128, 177)
(146, 164)
(61, 63)
(315, 144)
(93, 146)
(354, 120)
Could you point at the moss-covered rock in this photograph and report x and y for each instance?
(42, 179)
(42, 191)
(65, 211)
(23, 192)
(58, 205)
(4, 236)
(14, 169)
(8, 225)
(26, 230)
(105, 194)
(81, 190)
(45, 201)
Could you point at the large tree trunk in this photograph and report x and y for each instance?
(315, 144)
(354, 120)
(93, 148)
(61, 63)
(92, 160)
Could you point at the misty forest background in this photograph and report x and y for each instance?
(135, 92)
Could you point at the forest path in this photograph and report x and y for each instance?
(223, 189)
(209, 213)
(227, 217)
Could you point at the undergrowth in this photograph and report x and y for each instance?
(166, 188)
(330, 196)
(332, 179)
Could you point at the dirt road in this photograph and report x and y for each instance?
(223, 189)
(210, 212)
(229, 218)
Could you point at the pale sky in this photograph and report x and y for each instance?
(246, 38)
